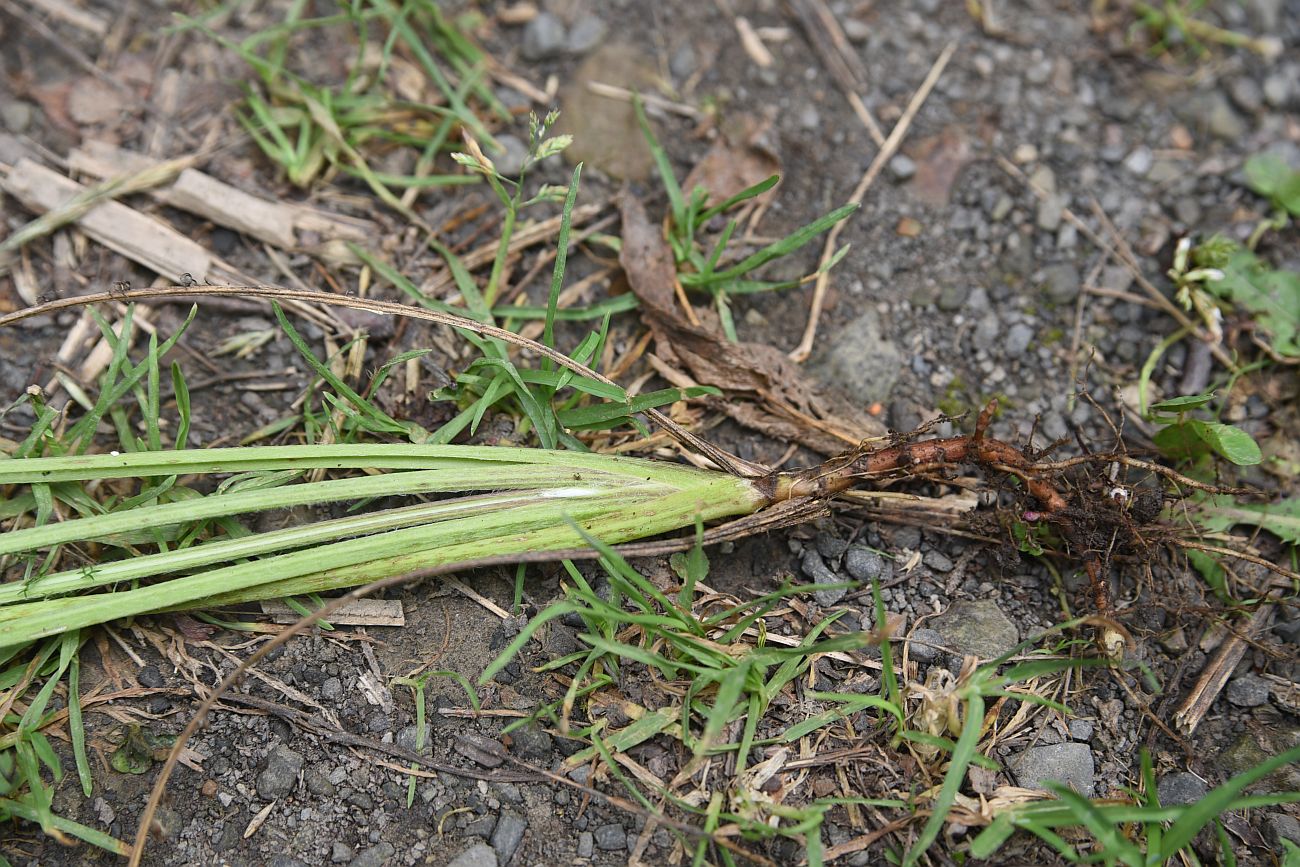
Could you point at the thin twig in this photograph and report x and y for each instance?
(841, 60)
(804, 349)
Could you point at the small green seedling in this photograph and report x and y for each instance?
(1174, 27)
(1182, 436)
(700, 269)
(1192, 271)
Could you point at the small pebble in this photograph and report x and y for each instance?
(508, 834)
(478, 855)
(924, 646)
(1180, 788)
(901, 167)
(544, 38)
(611, 838)
(1070, 764)
(585, 34)
(1247, 690)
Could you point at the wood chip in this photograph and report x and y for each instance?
(1215, 675)
(96, 25)
(125, 230)
(201, 194)
(363, 612)
(752, 44)
(258, 820)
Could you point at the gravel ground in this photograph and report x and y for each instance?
(961, 285)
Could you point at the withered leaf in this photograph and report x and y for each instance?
(765, 391)
(730, 168)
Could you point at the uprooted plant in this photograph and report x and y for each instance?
(95, 537)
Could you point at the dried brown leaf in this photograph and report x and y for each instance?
(765, 390)
(730, 168)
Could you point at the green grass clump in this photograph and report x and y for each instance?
(701, 269)
(310, 127)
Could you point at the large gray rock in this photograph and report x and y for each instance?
(1069, 764)
(280, 776)
(478, 855)
(544, 38)
(508, 834)
(860, 362)
(1247, 690)
(976, 628)
(1061, 283)
(1180, 788)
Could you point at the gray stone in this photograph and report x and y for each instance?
(925, 645)
(1062, 283)
(1220, 119)
(952, 297)
(809, 117)
(864, 564)
(508, 834)
(611, 838)
(585, 34)
(331, 688)
(1246, 93)
(480, 827)
(478, 855)
(856, 29)
(902, 167)
(1069, 764)
(1050, 212)
(1258, 746)
(586, 844)
(861, 362)
(1000, 208)
(907, 537)
(682, 64)
(544, 38)
(280, 776)
(1288, 631)
(375, 856)
(1139, 161)
(976, 628)
(1247, 690)
(532, 742)
(1279, 827)
(340, 853)
(1052, 205)
(1080, 729)
(1165, 172)
(409, 737)
(937, 560)
(510, 161)
(1277, 90)
(1188, 211)
(1180, 788)
(816, 570)
(1019, 336)
(988, 332)
(830, 546)
(318, 784)
(16, 115)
